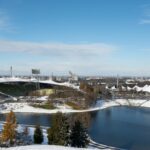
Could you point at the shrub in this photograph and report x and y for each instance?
(38, 135)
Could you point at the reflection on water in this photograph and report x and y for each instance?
(124, 127)
(83, 117)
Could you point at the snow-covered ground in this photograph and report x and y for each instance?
(24, 107)
(123, 102)
(44, 147)
(20, 129)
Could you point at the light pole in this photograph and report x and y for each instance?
(11, 73)
(36, 72)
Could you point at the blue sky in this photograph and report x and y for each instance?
(88, 37)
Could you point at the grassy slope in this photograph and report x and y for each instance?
(19, 89)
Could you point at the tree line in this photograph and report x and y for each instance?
(61, 132)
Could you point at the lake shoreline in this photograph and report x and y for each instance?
(101, 104)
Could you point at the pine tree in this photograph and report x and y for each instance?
(38, 135)
(58, 134)
(9, 129)
(64, 131)
(79, 136)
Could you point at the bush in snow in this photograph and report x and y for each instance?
(38, 135)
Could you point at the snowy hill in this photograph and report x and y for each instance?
(44, 147)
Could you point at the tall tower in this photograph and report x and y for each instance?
(11, 71)
(117, 81)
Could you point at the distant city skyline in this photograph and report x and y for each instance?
(88, 37)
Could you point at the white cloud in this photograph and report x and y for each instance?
(145, 21)
(56, 49)
(4, 21)
(60, 57)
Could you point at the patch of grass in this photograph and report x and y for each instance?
(74, 105)
(44, 106)
(42, 92)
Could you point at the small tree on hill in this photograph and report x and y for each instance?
(79, 136)
(9, 128)
(38, 135)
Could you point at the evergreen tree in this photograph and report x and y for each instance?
(38, 135)
(9, 129)
(58, 134)
(64, 131)
(79, 136)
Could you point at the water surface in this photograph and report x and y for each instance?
(124, 127)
